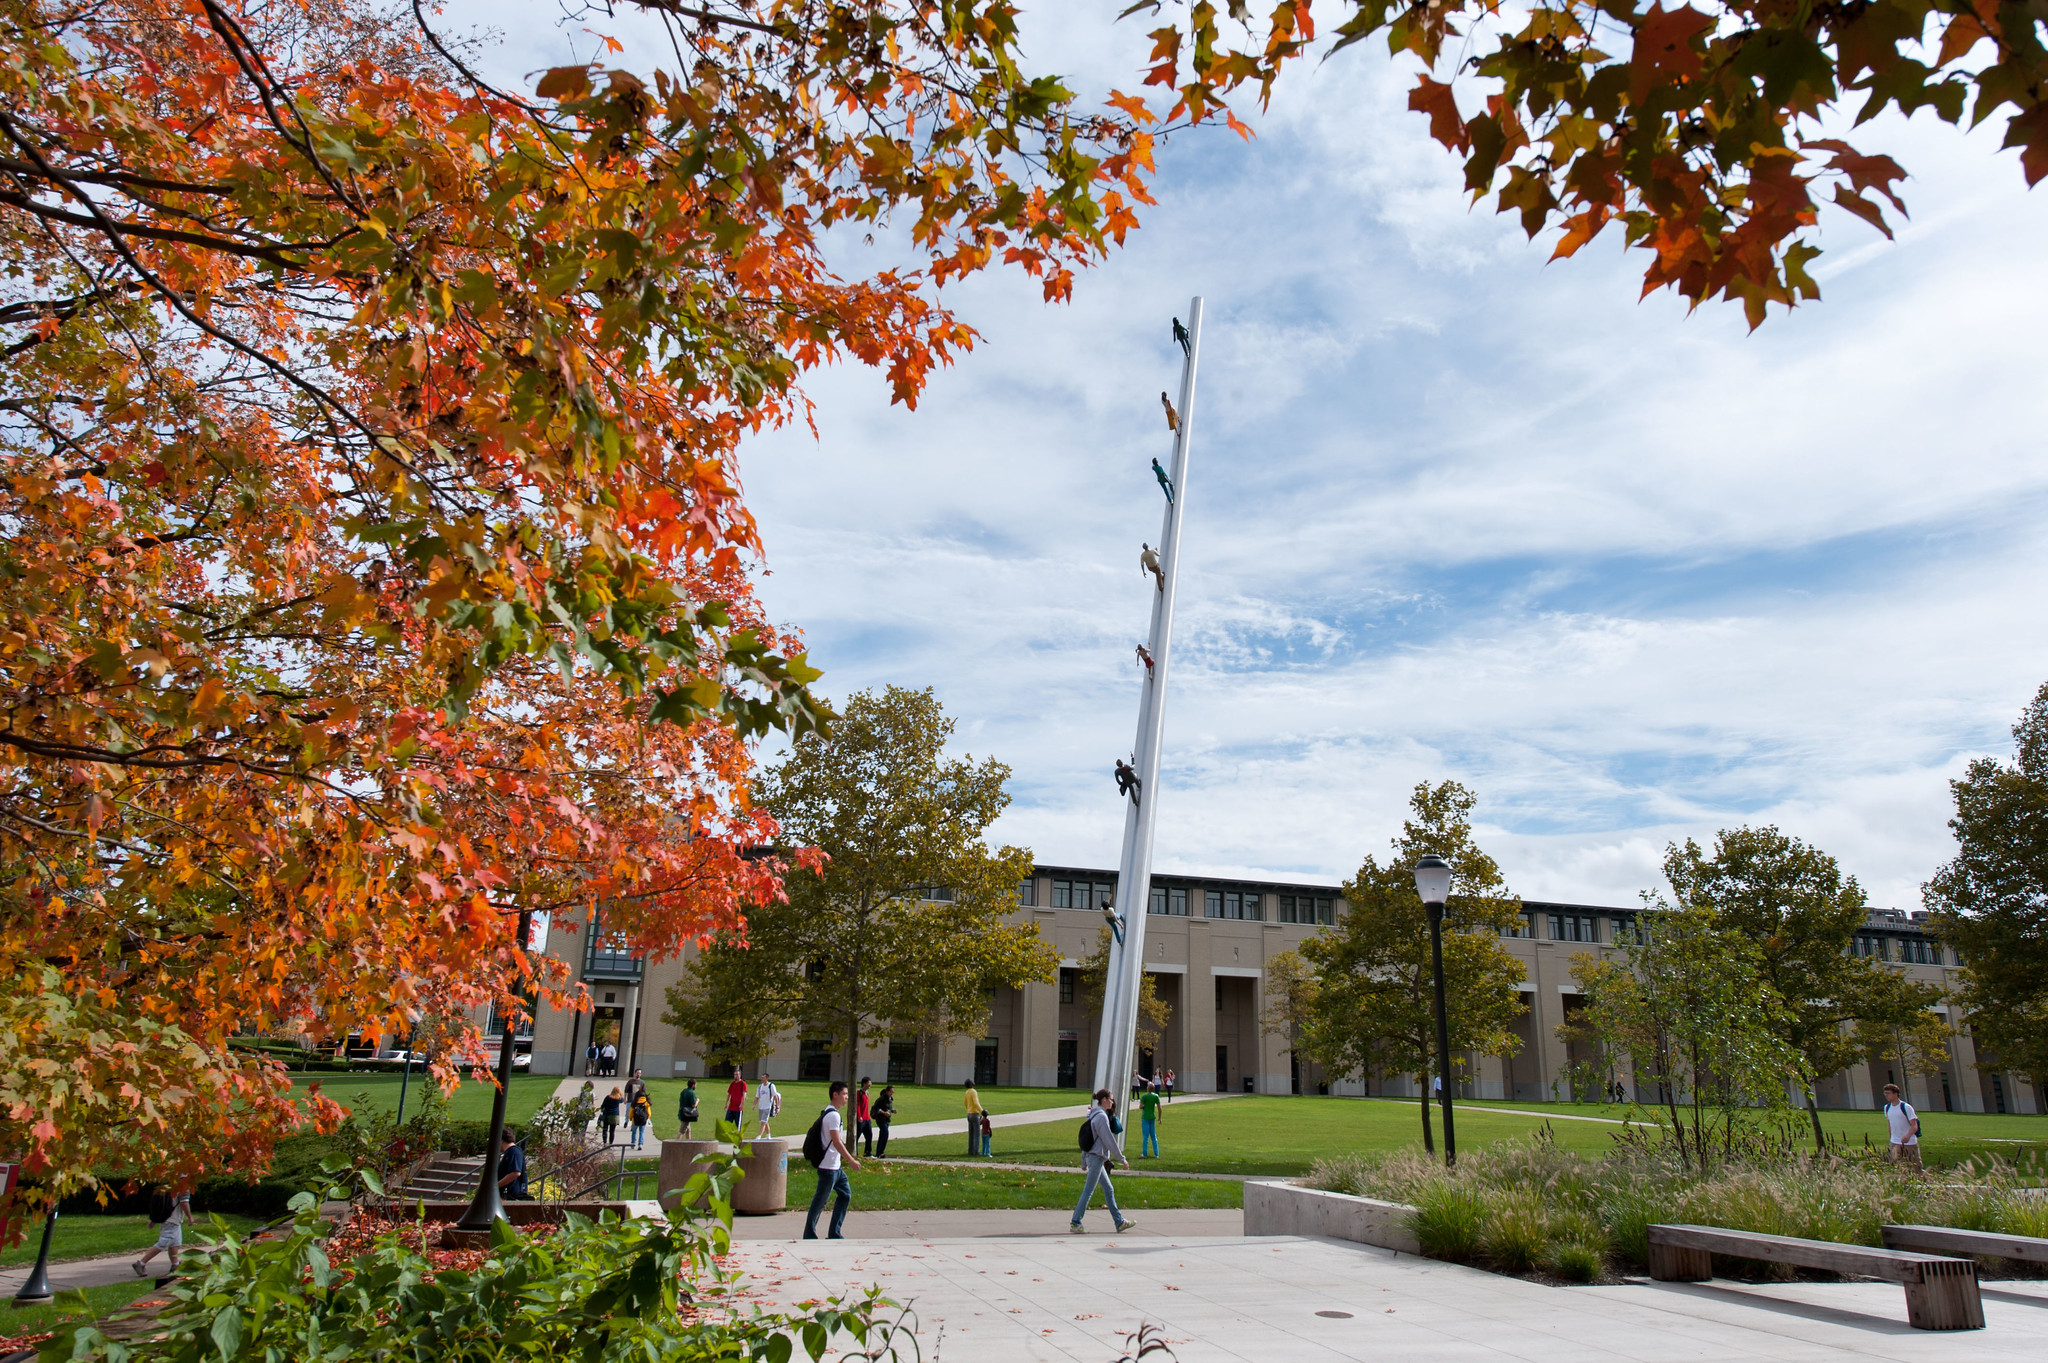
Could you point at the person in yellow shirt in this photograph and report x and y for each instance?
(974, 1111)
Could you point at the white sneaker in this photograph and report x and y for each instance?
(1078, 1229)
(1123, 1226)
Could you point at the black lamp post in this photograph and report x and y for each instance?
(486, 1207)
(37, 1287)
(1433, 883)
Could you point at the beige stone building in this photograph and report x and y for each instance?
(1207, 942)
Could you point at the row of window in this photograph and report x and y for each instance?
(1172, 902)
(1908, 950)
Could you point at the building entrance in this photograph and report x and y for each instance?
(607, 1028)
(1070, 1062)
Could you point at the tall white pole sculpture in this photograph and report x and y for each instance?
(1115, 1051)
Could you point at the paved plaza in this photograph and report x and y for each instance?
(1033, 1298)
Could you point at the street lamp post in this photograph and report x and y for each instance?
(1433, 883)
(36, 1287)
(487, 1207)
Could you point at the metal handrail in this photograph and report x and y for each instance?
(592, 1153)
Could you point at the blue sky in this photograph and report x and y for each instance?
(1631, 575)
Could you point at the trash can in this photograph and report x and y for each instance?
(1249, 1085)
(679, 1160)
(765, 1188)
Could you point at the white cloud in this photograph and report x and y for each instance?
(1632, 575)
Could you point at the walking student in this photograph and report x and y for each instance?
(1098, 1147)
(635, 1086)
(608, 1114)
(608, 1059)
(640, 1111)
(170, 1237)
(833, 1159)
(767, 1106)
(974, 1111)
(687, 1115)
(589, 1059)
(1169, 1086)
(1905, 1127)
(864, 1120)
(511, 1169)
(735, 1099)
(885, 1113)
(1148, 1123)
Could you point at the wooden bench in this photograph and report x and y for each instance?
(1941, 1292)
(1947, 1240)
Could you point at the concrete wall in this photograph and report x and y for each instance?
(1289, 1209)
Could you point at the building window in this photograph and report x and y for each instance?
(1302, 908)
(1027, 892)
(928, 893)
(1170, 902)
(1572, 927)
(1239, 904)
(814, 1060)
(1082, 894)
(1069, 979)
(1523, 926)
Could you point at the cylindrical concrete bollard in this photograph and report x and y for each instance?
(765, 1189)
(679, 1162)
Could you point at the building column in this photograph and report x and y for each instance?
(1037, 1036)
(1860, 1087)
(1275, 1070)
(1199, 1038)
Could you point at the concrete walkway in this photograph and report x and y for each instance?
(1036, 1299)
(108, 1268)
(1136, 1171)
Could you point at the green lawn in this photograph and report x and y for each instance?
(1946, 1137)
(886, 1186)
(1260, 1135)
(471, 1100)
(99, 1301)
(86, 1237)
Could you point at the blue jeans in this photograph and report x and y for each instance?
(832, 1183)
(1098, 1172)
(1151, 1144)
(974, 1134)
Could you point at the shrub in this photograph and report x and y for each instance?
(1448, 1222)
(1530, 1205)
(601, 1291)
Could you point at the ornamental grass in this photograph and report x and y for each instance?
(1529, 1207)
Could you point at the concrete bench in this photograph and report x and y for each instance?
(1947, 1240)
(1941, 1292)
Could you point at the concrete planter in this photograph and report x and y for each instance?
(1289, 1209)
(679, 1163)
(764, 1188)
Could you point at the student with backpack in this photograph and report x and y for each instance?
(641, 1112)
(1905, 1128)
(687, 1115)
(1098, 1147)
(826, 1150)
(885, 1113)
(608, 1114)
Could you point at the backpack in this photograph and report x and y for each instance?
(814, 1142)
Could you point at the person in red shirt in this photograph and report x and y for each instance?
(735, 1097)
(864, 1126)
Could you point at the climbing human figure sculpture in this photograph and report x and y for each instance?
(1165, 483)
(1148, 561)
(1145, 657)
(1127, 782)
(1172, 417)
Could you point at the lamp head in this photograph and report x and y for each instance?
(1433, 879)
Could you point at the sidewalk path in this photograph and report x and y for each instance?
(1464, 1106)
(108, 1268)
(1047, 1299)
(1120, 1174)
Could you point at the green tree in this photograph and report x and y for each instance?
(1688, 1002)
(1798, 912)
(1373, 1003)
(904, 919)
(1153, 1012)
(1290, 994)
(1991, 902)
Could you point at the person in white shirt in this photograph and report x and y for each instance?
(832, 1180)
(767, 1104)
(1102, 1148)
(1905, 1125)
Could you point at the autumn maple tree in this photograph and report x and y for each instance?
(1709, 133)
(376, 569)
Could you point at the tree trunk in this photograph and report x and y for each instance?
(1820, 1140)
